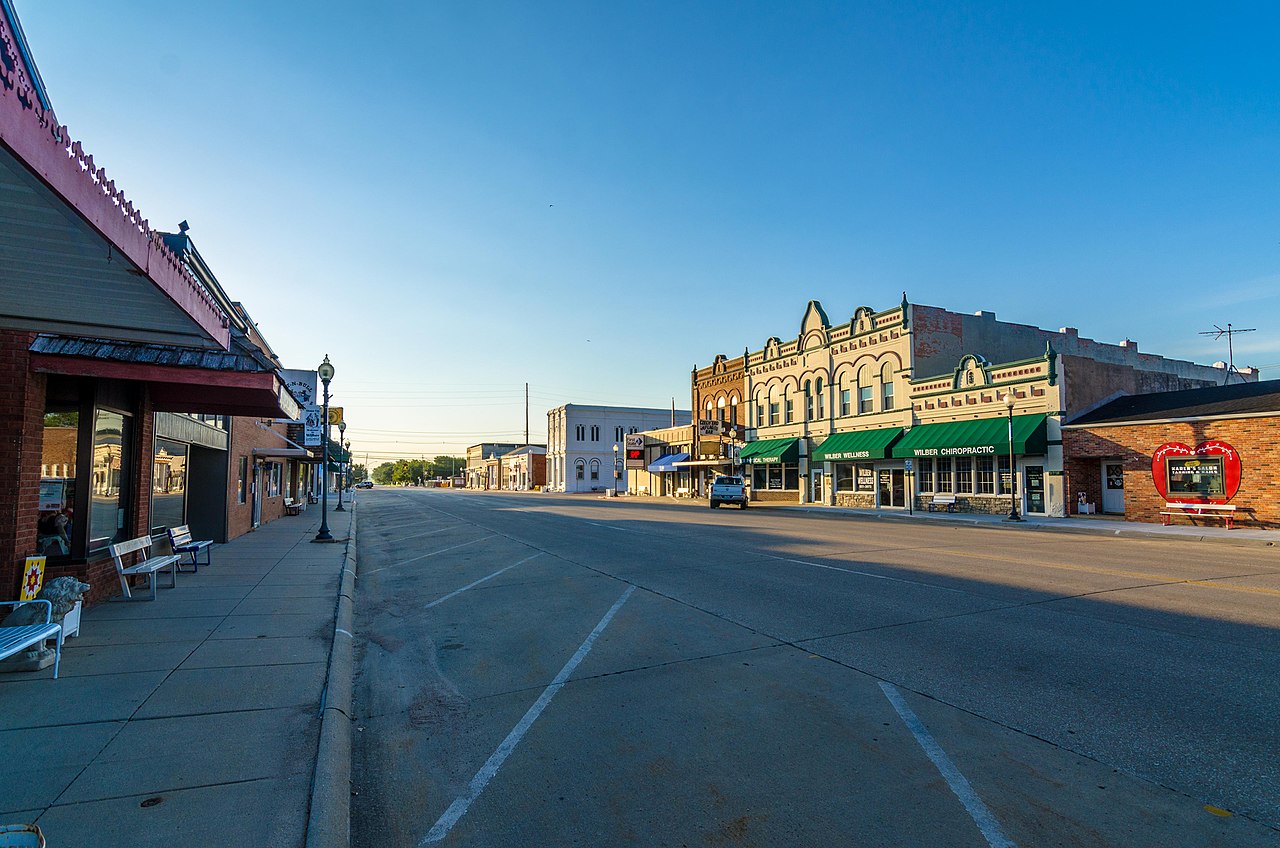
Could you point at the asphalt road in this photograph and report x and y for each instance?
(540, 670)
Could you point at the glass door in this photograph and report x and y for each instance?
(1035, 489)
(892, 485)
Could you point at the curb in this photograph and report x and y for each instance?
(329, 819)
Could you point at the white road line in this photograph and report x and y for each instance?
(416, 536)
(423, 556)
(460, 805)
(481, 580)
(868, 574)
(978, 811)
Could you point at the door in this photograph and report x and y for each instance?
(1113, 488)
(892, 486)
(257, 495)
(816, 489)
(1035, 489)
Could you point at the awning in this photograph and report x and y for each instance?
(785, 451)
(665, 464)
(864, 444)
(982, 437)
(292, 453)
(703, 462)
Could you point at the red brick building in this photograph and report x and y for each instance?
(1213, 440)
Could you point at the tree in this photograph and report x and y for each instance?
(384, 474)
(358, 473)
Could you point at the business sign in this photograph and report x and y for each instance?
(635, 440)
(301, 384)
(635, 458)
(838, 455)
(1208, 472)
(708, 427)
(32, 578)
(970, 450)
(335, 415)
(312, 426)
(52, 494)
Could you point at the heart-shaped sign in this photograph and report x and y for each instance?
(1207, 473)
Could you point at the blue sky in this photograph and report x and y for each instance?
(594, 197)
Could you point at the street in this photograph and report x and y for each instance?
(547, 670)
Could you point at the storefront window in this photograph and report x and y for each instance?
(844, 477)
(924, 474)
(168, 485)
(57, 482)
(776, 477)
(986, 475)
(1197, 476)
(242, 482)
(866, 478)
(109, 480)
(942, 480)
(964, 475)
(1006, 478)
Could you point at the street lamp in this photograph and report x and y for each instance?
(325, 372)
(1013, 477)
(733, 459)
(342, 431)
(617, 470)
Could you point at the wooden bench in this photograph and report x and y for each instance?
(182, 543)
(942, 500)
(16, 639)
(292, 507)
(1226, 512)
(149, 565)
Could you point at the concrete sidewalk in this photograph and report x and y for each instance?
(193, 720)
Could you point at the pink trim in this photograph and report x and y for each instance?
(45, 147)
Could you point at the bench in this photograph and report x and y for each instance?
(1199, 510)
(292, 507)
(684, 492)
(148, 566)
(942, 500)
(182, 543)
(16, 639)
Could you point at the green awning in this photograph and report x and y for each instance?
(864, 444)
(785, 451)
(982, 437)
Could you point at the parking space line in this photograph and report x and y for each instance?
(481, 580)
(423, 556)
(487, 771)
(978, 811)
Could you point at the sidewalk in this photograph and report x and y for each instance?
(193, 720)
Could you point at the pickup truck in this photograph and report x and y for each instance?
(730, 490)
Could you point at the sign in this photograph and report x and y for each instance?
(710, 448)
(862, 454)
(635, 440)
(32, 578)
(635, 457)
(908, 464)
(708, 427)
(335, 415)
(312, 426)
(1208, 472)
(975, 450)
(52, 495)
(301, 384)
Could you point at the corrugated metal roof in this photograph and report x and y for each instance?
(1215, 401)
(148, 354)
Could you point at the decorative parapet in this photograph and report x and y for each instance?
(44, 145)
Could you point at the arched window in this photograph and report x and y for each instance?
(886, 387)
(720, 410)
(775, 404)
(817, 386)
(581, 468)
(595, 469)
(733, 410)
(808, 401)
(866, 397)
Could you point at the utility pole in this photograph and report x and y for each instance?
(1217, 333)
(526, 414)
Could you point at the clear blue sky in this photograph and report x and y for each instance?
(594, 197)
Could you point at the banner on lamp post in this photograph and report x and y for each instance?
(312, 426)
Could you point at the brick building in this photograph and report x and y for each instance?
(1115, 461)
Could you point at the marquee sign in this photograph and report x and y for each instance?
(1209, 472)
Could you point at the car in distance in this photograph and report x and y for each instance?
(728, 489)
(364, 484)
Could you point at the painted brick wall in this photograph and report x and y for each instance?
(1133, 446)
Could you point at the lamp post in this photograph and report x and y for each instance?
(1013, 477)
(617, 470)
(733, 443)
(342, 431)
(325, 372)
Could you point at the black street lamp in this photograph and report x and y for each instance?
(342, 431)
(325, 371)
(617, 470)
(1013, 477)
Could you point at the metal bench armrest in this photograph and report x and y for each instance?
(48, 612)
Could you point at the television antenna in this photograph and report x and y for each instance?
(1217, 333)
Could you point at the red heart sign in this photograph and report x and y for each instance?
(1181, 478)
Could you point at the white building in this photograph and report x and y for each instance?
(581, 441)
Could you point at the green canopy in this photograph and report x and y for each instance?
(785, 451)
(864, 444)
(982, 437)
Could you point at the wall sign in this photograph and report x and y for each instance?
(1209, 472)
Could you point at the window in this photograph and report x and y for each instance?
(582, 432)
(866, 478)
(242, 482)
(109, 480)
(843, 477)
(924, 475)
(708, 415)
(964, 475)
(986, 475)
(581, 468)
(864, 399)
(776, 477)
(886, 388)
(618, 433)
(773, 412)
(1006, 478)
(595, 432)
(808, 401)
(943, 478)
(844, 402)
(759, 414)
(595, 469)
(274, 477)
(733, 410)
(818, 391)
(168, 484)
(57, 480)
(790, 410)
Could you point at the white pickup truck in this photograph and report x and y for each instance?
(729, 490)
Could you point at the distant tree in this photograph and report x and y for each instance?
(384, 474)
(359, 473)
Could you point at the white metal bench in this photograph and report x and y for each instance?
(1226, 512)
(292, 507)
(684, 492)
(942, 500)
(16, 639)
(149, 565)
(182, 543)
